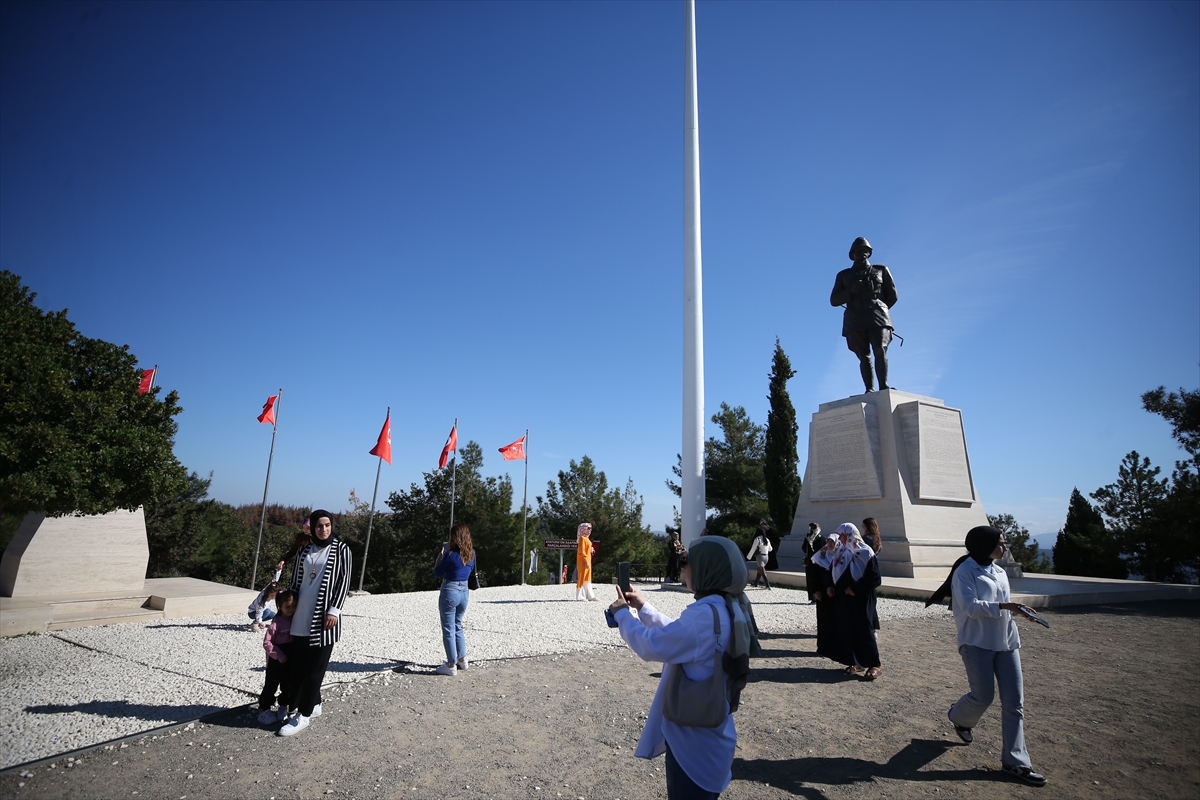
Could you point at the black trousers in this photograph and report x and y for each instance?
(280, 676)
(310, 665)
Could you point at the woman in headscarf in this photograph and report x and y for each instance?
(583, 562)
(830, 642)
(813, 543)
(990, 647)
(699, 760)
(322, 580)
(855, 575)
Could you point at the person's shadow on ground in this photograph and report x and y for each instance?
(797, 775)
(123, 709)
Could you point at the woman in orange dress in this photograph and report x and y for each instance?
(583, 563)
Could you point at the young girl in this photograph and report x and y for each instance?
(260, 612)
(277, 643)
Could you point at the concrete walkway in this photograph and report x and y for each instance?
(1039, 591)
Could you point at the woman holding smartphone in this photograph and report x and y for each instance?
(454, 565)
(717, 628)
(990, 648)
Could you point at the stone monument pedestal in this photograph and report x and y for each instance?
(56, 555)
(902, 459)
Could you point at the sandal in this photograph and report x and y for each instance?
(852, 670)
(873, 673)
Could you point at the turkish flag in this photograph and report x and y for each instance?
(514, 451)
(268, 414)
(451, 444)
(147, 380)
(383, 447)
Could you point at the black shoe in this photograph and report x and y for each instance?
(1025, 774)
(963, 733)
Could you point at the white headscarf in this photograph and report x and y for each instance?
(584, 529)
(824, 557)
(853, 553)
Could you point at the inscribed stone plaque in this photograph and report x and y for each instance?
(842, 466)
(944, 473)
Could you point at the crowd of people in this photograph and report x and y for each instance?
(706, 651)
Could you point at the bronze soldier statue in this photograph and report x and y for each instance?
(867, 291)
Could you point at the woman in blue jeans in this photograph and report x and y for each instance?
(454, 565)
(990, 648)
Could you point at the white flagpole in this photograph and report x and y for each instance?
(525, 509)
(371, 519)
(153, 378)
(263, 520)
(453, 473)
(692, 499)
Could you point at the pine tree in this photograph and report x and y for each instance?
(1084, 546)
(780, 464)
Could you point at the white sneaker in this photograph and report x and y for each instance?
(316, 711)
(447, 669)
(270, 716)
(296, 723)
(462, 663)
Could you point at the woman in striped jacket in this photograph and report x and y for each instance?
(322, 580)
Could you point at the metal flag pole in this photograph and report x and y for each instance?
(692, 497)
(453, 473)
(371, 519)
(525, 510)
(154, 377)
(263, 520)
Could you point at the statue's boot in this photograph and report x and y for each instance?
(864, 366)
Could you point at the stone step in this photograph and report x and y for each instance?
(83, 618)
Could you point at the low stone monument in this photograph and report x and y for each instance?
(105, 553)
(75, 571)
(902, 459)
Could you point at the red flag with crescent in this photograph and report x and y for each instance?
(514, 451)
(383, 447)
(451, 446)
(268, 413)
(147, 380)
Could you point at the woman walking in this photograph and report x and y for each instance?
(762, 547)
(321, 580)
(714, 637)
(990, 647)
(583, 562)
(855, 575)
(454, 565)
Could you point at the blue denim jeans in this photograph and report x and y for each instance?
(268, 615)
(984, 669)
(452, 604)
(680, 786)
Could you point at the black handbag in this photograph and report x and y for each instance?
(473, 578)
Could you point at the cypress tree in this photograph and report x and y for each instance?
(780, 463)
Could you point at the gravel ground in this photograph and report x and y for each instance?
(1112, 711)
(76, 688)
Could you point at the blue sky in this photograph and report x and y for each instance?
(474, 210)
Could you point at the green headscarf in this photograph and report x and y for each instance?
(718, 566)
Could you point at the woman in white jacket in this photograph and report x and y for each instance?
(989, 644)
(699, 760)
(761, 546)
